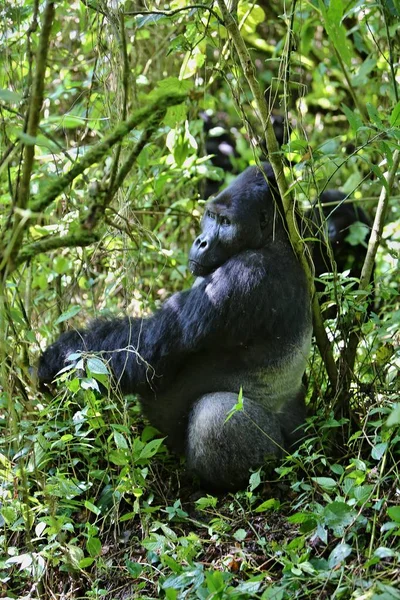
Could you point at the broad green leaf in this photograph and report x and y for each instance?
(379, 450)
(374, 116)
(93, 546)
(338, 516)
(394, 513)
(395, 116)
(134, 568)
(90, 506)
(271, 504)
(96, 366)
(358, 233)
(325, 482)
(118, 457)
(120, 441)
(86, 562)
(9, 97)
(69, 314)
(75, 554)
(151, 448)
(353, 118)
(394, 418)
(143, 20)
(65, 121)
(338, 555)
(337, 33)
(240, 535)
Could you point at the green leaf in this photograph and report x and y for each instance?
(28, 140)
(395, 116)
(394, 513)
(93, 546)
(120, 441)
(335, 30)
(379, 450)
(358, 233)
(71, 312)
(134, 568)
(301, 517)
(325, 482)
(271, 504)
(255, 480)
(394, 418)
(374, 116)
(168, 85)
(86, 562)
(338, 516)
(151, 448)
(238, 406)
(240, 535)
(65, 121)
(118, 457)
(9, 97)
(92, 507)
(353, 118)
(143, 20)
(96, 366)
(75, 554)
(338, 555)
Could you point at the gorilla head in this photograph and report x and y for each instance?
(240, 217)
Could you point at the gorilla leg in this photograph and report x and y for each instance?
(221, 452)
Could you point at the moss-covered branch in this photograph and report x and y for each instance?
(157, 109)
(277, 166)
(35, 104)
(73, 240)
(13, 241)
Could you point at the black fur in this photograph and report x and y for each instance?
(244, 324)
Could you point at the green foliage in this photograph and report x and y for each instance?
(92, 505)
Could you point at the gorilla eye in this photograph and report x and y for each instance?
(225, 221)
(210, 215)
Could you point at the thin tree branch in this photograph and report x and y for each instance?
(349, 353)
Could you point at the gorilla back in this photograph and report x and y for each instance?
(245, 324)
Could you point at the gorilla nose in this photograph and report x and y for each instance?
(201, 243)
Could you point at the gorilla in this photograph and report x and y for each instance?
(331, 224)
(245, 325)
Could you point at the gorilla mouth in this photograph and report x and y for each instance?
(198, 269)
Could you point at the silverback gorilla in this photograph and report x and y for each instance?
(245, 323)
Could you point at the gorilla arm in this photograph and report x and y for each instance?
(145, 353)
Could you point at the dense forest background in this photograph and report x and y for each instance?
(112, 115)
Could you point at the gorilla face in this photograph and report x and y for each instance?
(235, 220)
